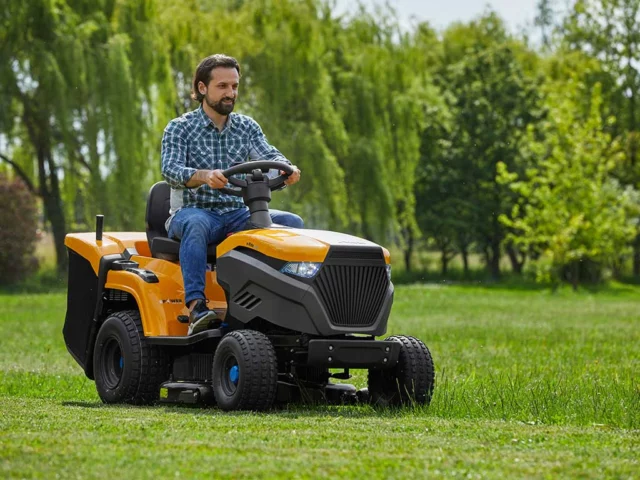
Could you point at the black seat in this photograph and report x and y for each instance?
(158, 206)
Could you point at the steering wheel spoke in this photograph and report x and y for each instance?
(238, 182)
(249, 167)
(232, 191)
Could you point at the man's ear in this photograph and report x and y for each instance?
(202, 88)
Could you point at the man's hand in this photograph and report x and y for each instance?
(294, 177)
(215, 179)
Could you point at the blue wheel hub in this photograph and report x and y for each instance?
(234, 374)
(121, 362)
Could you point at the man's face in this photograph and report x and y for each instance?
(222, 91)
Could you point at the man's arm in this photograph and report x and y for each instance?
(261, 149)
(174, 159)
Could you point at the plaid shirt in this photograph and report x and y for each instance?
(192, 142)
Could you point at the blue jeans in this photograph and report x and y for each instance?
(196, 228)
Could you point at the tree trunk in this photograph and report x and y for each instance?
(55, 213)
(575, 275)
(494, 264)
(465, 260)
(39, 134)
(52, 202)
(516, 263)
(636, 257)
(444, 259)
(408, 252)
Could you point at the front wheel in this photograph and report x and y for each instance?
(126, 368)
(411, 381)
(245, 371)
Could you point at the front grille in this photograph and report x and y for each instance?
(352, 294)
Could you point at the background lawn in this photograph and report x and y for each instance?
(529, 384)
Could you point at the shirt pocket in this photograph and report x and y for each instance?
(237, 154)
(200, 157)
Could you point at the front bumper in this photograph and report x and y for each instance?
(353, 353)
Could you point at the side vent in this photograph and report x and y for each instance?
(247, 300)
(118, 296)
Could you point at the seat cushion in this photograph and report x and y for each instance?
(163, 247)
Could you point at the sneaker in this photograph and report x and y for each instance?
(201, 318)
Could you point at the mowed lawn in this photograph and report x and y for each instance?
(529, 384)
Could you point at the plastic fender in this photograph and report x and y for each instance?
(159, 303)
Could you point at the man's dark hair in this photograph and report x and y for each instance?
(203, 72)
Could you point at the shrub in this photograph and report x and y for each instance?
(18, 231)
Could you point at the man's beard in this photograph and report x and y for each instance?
(220, 107)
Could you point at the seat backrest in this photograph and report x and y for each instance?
(158, 206)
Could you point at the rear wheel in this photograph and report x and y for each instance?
(411, 381)
(126, 368)
(245, 373)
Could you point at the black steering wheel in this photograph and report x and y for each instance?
(256, 169)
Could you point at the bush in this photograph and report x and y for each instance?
(18, 231)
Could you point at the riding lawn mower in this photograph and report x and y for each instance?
(297, 308)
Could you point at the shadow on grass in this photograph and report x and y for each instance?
(297, 410)
(284, 411)
(83, 404)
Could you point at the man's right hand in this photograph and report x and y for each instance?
(215, 179)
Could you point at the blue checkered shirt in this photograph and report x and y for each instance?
(192, 142)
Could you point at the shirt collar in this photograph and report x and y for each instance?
(205, 120)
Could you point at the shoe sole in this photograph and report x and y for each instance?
(202, 324)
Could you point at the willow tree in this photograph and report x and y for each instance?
(290, 84)
(383, 91)
(79, 107)
(285, 86)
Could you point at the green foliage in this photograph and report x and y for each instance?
(399, 133)
(18, 225)
(82, 78)
(571, 213)
(491, 100)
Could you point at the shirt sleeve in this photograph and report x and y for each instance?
(261, 149)
(174, 157)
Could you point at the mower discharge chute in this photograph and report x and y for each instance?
(296, 306)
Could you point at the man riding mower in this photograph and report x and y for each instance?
(295, 308)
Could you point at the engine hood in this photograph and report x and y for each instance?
(294, 245)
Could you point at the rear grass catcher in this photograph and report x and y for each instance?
(298, 306)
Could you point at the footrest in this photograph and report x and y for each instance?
(186, 340)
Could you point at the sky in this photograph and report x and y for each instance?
(440, 13)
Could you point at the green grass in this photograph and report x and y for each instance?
(529, 384)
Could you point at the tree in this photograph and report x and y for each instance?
(545, 20)
(571, 212)
(18, 224)
(609, 31)
(491, 100)
(79, 107)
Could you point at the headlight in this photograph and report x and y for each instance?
(301, 269)
(388, 267)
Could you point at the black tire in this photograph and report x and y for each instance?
(410, 382)
(126, 368)
(254, 384)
